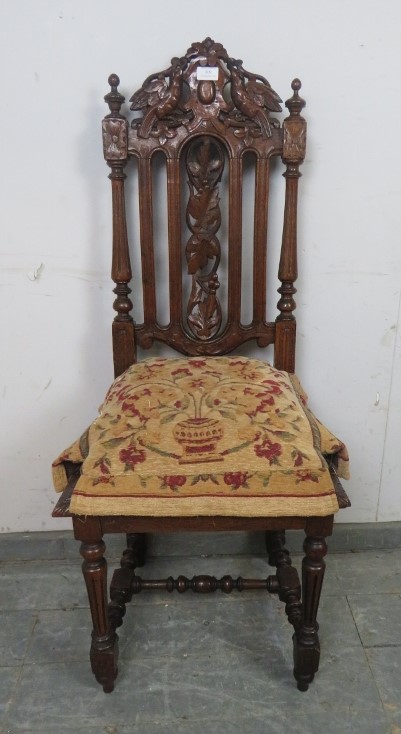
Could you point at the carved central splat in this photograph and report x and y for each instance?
(205, 164)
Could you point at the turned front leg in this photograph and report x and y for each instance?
(306, 639)
(104, 647)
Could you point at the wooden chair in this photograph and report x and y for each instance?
(204, 442)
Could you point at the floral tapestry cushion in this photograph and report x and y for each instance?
(213, 436)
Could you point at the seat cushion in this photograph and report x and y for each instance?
(224, 436)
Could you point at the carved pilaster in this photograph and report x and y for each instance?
(115, 148)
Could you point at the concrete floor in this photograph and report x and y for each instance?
(198, 665)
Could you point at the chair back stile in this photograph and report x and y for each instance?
(294, 140)
(115, 139)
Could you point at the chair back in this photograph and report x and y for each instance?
(207, 119)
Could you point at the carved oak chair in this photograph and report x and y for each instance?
(206, 441)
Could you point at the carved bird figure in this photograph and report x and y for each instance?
(254, 99)
(160, 97)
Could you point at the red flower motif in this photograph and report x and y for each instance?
(178, 404)
(197, 363)
(197, 383)
(131, 456)
(101, 480)
(268, 450)
(303, 475)
(104, 468)
(174, 481)
(103, 465)
(299, 460)
(262, 406)
(182, 370)
(128, 406)
(273, 386)
(236, 479)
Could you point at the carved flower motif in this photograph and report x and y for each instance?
(164, 133)
(208, 48)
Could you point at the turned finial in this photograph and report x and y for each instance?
(295, 104)
(114, 99)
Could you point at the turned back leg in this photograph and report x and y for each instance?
(278, 554)
(135, 552)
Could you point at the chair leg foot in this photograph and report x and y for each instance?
(306, 660)
(103, 657)
(306, 639)
(302, 686)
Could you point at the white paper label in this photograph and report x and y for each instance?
(207, 72)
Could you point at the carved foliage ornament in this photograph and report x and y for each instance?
(205, 163)
(205, 81)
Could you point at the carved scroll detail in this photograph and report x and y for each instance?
(205, 164)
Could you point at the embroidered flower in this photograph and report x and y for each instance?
(197, 383)
(268, 450)
(101, 480)
(299, 459)
(303, 475)
(103, 465)
(131, 456)
(182, 371)
(273, 387)
(236, 479)
(197, 363)
(174, 481)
